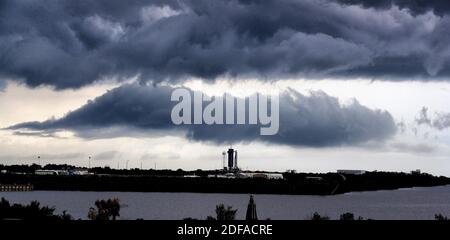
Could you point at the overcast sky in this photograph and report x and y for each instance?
(362, 85)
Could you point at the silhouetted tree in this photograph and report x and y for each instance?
(347, 216)
(65, 216)
(316, 216)
(92, 214)
(223, 214)
(440, 217)
(106, 210)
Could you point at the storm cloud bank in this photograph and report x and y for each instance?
(69, 44)
(439, 7)
(305, 120)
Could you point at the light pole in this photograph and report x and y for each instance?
(89, 162)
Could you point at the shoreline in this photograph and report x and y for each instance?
(235, 193)
(293, 184)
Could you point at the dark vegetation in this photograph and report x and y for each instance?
(105, 210)
(344, 217)
(317, 217)
(107, 179)
(32, 211)
(223, 213)
(440, 217)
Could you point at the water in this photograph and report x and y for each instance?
(412, 203)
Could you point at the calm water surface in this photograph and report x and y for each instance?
(411, 203)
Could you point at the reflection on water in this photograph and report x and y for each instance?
(414, 203)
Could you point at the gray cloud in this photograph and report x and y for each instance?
(414, 148)
(108, 155)
(64, 156)
(69, 44)
(45, 158)
(401, 126)
(2, 85)
(440, 121)
(163, 155)
(440, 7)
(48, 134)
(313, 120)
(423, 118)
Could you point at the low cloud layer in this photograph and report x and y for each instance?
(305, 120)
(69, 44)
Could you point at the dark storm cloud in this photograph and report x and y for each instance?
(129, 105)
(313, 120)
(69, 44)
(440, 7)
